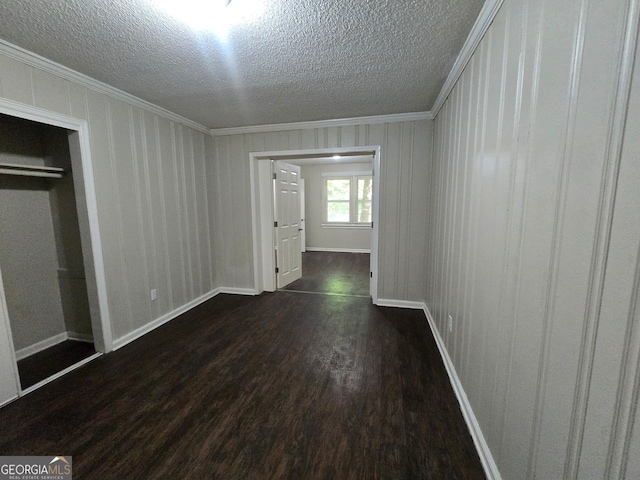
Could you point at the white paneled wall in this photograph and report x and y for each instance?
(534, 238)
(404, 175)
(155, 194)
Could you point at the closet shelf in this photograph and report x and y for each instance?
(31, 170)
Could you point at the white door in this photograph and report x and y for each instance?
(303, 223)
(8, 368)
(287, 218)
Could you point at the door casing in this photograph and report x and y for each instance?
(83, 178)
(262, 210)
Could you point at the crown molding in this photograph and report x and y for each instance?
(339, 122)
(488, 13)
(42, 63)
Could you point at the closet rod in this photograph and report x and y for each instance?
(31, 170)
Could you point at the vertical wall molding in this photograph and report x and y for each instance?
(603, 236)
(524, 179)
(136, 178)
(628, 393)
(563, 176)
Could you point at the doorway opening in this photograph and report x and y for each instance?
(52, 296)
(329, 241)
(333, 273)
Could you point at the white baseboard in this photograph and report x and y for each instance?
(80, 337)
(41, 345)
(385, 302)
(338, 250)
(9, 400)
(490, 467)
(50, 342)
(131, 336)
(238, 291)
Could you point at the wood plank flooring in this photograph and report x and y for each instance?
(283, 385)
(42, 365)
(340, 273)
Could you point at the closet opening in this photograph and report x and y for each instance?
(42, 263)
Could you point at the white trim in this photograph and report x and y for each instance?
(238, 291)
(338, 122)
(131, 336)
(339, 250)
(483, 22)
(347, 174)
(80, 337)
(343, 160)
(490, 467)
(60, 373)
(28, 112)
(346, 226)
(4, 322)
(388, 302)
(8, 401)
(262, 257)
(96, 241)
(375, 218)
(291, 156)
(41, 345)
(139, 332)
(42, 63)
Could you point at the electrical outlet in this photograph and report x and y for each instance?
(154, 294)
(450, 323)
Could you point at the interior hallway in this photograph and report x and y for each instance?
(282, 385)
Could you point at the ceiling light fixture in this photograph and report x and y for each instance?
(216, 16)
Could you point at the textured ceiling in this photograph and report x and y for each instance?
(299, 60)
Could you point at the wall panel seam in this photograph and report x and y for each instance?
(485, 320)
(521, 228)
(181, 179)
(500, 317)
(207, 213)
(138, 195)
(465, 317)
(147, 182)
(196, 214)
(625, 409)
(163, 210)
(567, 137)
(613, 155)
(116, 210)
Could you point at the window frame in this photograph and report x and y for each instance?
(353, 178)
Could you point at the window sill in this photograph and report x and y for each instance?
(356, 226)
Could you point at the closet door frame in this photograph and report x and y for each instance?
(79, 147)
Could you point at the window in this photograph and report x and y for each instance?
(348, 199)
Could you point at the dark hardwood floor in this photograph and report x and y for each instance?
(334, 273)
(283, 385)
(42, 365)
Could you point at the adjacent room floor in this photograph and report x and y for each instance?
(336, 273)
(282, 385)
(46, 363)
